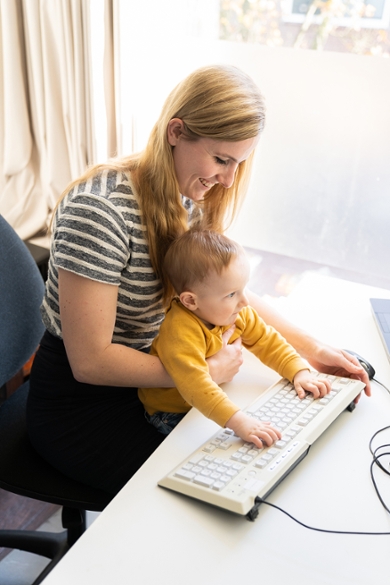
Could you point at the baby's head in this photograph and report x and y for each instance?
(209, 273)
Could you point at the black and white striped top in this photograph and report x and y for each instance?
(99, 233)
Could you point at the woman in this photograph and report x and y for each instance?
(105, 291)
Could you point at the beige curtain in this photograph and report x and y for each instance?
(111, 76)
(46, 122)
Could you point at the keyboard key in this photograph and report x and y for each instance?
(184, 474)
(215, 475)
(280, 444)
(261, 463)
(225, 445)
(246, 458)
(209, 448)
(203, 463)
(202, 480)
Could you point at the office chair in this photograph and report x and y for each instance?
(22, 470)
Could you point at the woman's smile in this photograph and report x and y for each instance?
(202, 163)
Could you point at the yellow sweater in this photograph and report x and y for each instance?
(183, 344)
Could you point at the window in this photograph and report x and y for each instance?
(352, 26)
(349, 14)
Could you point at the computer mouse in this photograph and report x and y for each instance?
(364, 363)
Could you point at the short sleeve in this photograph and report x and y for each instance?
(91, 239)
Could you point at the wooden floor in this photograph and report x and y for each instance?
(272, 275)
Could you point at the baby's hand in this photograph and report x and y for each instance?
(252, 430)
(306, 380)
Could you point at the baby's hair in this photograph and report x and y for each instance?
(196, 253)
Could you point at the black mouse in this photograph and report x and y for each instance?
(364, 363)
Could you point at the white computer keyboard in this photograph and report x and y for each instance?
(229, 473)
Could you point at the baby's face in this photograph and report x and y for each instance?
(220, 297)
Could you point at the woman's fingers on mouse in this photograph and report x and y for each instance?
(361, 371)
(351, 358)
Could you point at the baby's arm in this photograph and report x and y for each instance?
(252, 430)
(306, 381)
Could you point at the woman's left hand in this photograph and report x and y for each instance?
(330, 360)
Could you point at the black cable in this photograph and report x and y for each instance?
(375, 484)
(376, 457)
(321, 529)
(376, 461)
(380, 384)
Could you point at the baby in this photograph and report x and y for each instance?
(209, 273)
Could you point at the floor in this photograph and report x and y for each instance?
(272, 276)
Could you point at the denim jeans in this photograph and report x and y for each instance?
(164, 422)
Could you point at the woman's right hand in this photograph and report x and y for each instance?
(225, 364)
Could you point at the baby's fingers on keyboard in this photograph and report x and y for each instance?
(265, 437)
(323, 387)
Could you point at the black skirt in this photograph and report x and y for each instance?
(97, 435)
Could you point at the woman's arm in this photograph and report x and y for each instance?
(88, 310)
(324, 358)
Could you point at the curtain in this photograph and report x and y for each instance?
(46, 121)
(111, 76)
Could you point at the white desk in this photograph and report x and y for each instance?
(151, 535)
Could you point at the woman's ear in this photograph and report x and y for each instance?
(189, 300)
(175, 130)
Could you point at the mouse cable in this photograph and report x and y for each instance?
(376, 461)
(376, 458)
(380, 384)
(329, 531)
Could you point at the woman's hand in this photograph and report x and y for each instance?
(225, 364)
(330, 360)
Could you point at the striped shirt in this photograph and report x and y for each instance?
(99, 234)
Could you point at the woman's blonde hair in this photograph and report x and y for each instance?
(195, 254)
(219, 102)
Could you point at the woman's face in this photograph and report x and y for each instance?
(202, 163)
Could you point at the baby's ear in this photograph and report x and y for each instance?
(189, 300)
